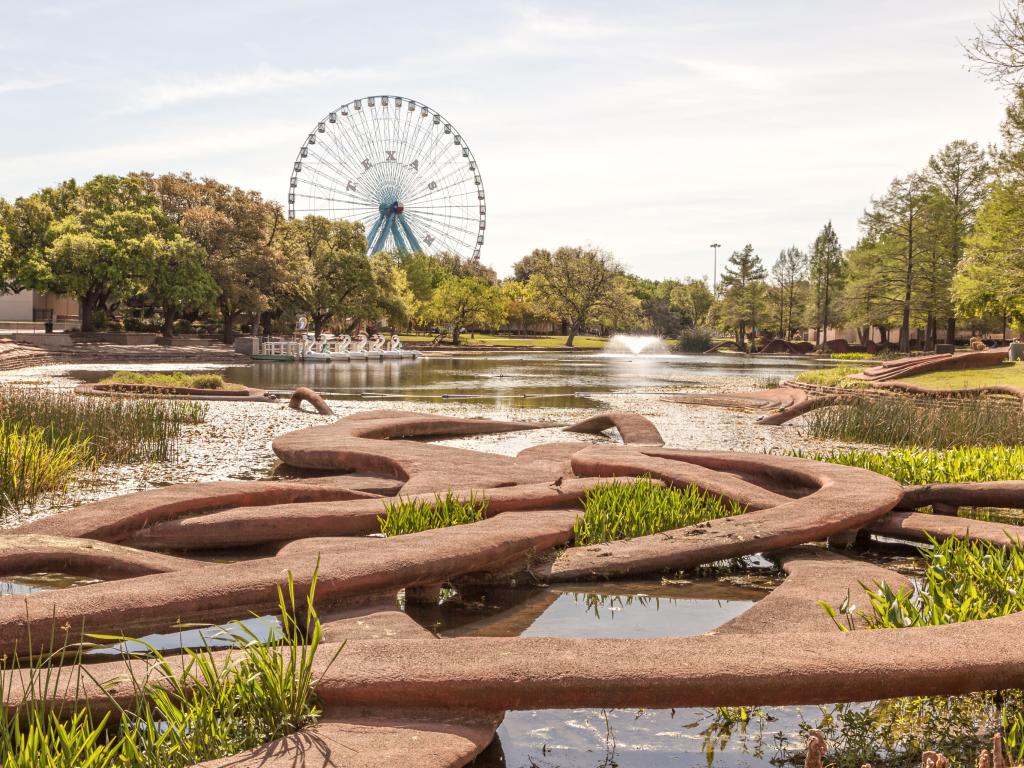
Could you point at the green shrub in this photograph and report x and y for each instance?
(919, 466)
(852, 356)
(613, 511)
(414, 515)
(768, 381)
(694, 340)
(907, 421)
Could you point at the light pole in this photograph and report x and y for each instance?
(714, 274)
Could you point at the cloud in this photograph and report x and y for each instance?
(155, 96)
(25, 84)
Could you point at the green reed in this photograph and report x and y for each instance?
(117, 430)
(905, 421)
(921, 466)
(837, 376)
(618, 510)
(34, 467)
(202, 707)
(415, 515)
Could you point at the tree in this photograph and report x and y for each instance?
(864, 300)
(525, 268)
(100, 251)
(577, 283)
(959, 173)
(521, 304)
(29, 225)
(238, 230)
(463, 302)
(336, 275)
(693, 300)
(998, 50)
(990, 279)
(742, 285)
(827, 272)
(788, 292)
(179, 281)
(894, 224)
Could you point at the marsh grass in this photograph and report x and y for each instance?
(415, 515)
(903, 421)
(767, 381)
(613, 511)
(188, 380)
(921, 466)
(33, 467)
(116, 430)
(201, 706)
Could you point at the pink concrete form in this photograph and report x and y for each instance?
(397, 694)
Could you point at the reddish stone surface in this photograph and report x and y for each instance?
(305, 394)
(247, 394)
(914, 526)
(634, 429)
(444, 691)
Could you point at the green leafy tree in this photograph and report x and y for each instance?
(522, 305)
(864, 301)
(238, 229)
(29, 224)
(465, 302)
(577, 284)
(179, 281)
(100, 252)
(743, 292)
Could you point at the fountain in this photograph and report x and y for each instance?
(627, 344)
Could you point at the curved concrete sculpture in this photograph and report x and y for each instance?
(246, 394)
(305, 394)
(396, 680)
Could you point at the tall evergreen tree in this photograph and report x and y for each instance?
(827, 274)
(743, 287)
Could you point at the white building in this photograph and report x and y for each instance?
(29, 310)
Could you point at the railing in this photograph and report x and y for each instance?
(29, 326)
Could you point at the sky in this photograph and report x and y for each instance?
(647, 128)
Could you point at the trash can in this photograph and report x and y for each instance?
(48, 326)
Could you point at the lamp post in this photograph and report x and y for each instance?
(714, 274)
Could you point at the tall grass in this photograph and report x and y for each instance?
(117, 430)
(613, 511)
(414, 515)
(908, 422)
(201, 709)
(921, 466)
(832, 377)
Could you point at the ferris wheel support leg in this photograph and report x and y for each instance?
(413, 242)
(378, 244)
(373, 234)
(399, 242)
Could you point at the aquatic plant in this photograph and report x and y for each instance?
(204, 707)
(768, 381)
(694, 340)
(34, 467)
(964, 581)
(119, 430)
(853, 356)
(187, 380)
(927, 424)
(415, 515)
(617, 510)
(921, 466)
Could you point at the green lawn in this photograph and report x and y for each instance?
(540, 342)
(1006, 373)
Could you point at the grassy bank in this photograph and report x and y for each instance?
(1005, 374)
(839, 376)
(961, 464)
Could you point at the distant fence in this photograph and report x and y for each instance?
(27, 326)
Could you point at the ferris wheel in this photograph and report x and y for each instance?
(401, 169)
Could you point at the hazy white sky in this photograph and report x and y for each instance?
(648, 128)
